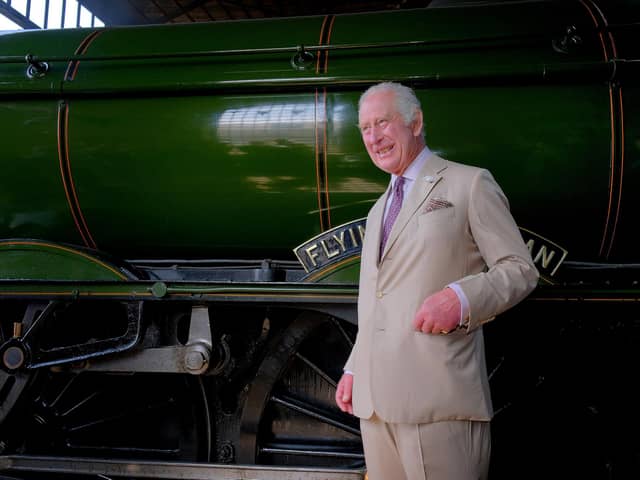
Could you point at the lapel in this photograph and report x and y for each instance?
(429, 176)
(374, 225)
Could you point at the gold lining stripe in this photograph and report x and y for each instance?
(324, 23)
(266, 295)
(317, 149)
(332, 268)
(621, 146)
(63, 147)
(324, 125)
(615, 223)
(328, 41)
(595, 21)
(611, 221)
(72, 67)
(62, 112)
(322, 175)
(612, 42)
(92, 243)
(612, 173)
(317, 157)
(148, 294)
(325, 162)
(612, 149)
(67, 176)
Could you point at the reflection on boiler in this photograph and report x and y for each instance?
(275, 124)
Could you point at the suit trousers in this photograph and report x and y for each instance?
(446, 450)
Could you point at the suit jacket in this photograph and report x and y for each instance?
(454, 226)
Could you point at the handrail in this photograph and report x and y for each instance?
(598, 71)
(30, 58)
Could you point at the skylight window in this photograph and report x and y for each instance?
(47, 14)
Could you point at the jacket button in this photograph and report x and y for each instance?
(379, 294)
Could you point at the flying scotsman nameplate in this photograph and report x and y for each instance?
(341, 243)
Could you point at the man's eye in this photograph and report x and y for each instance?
(382, 123)
(365, 129)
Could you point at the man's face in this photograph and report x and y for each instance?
(391, 144)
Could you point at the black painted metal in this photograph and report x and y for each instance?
(45, 351)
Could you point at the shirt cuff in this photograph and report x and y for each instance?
(348, 372)
(464, 302)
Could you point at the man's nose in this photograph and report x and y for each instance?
(375, 134)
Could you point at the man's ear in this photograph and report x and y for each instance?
(416, 124)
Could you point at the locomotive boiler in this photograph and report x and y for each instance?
(182, 209)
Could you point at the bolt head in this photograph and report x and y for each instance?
(195, 361)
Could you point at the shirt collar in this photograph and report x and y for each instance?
(412, 171)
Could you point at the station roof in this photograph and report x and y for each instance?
(30, 14)
(140, 12)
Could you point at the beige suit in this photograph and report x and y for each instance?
(470, 238)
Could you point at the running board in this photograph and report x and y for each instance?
(169, 470)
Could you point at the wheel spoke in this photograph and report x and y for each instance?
(343, 333)
(11, 387)
(312, 411)
(61, 394)
(146, 451)
(317, 369)
(130, 413)
(311, 450)
(79, 404)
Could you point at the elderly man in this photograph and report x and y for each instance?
(442, 256)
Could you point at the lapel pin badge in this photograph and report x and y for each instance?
(429, 179)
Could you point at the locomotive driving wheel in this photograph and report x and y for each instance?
(13, 379)
(133, 416)
(290, 416)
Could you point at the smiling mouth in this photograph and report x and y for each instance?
(384, 151)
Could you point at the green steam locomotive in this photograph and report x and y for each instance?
(182, 209)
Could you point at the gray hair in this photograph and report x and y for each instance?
(406, 102)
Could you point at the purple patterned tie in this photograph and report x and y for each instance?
(394, 209)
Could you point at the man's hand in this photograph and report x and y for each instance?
(343, 393)
(439, 313)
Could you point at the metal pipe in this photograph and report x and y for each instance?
(258, 51)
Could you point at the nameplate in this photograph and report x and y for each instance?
(547, 255)
(332, 246)
(345, 241)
